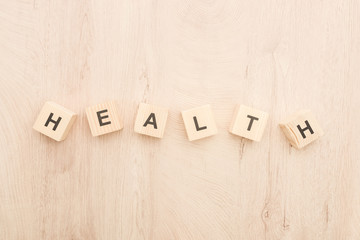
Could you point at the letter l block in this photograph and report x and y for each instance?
(54, 121)
(199, 122)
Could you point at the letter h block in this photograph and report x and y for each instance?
(54, 121)
(104, 118)
(249, 123)
(301, 128)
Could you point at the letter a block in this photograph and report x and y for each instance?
(54, 121)
(151, 120)
(249, 123)
(104, 118)
(199, 122)
(301, 128)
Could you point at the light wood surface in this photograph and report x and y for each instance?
(275, 55)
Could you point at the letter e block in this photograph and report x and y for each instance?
(249, 123)
(151, 120)
(104, 118)
(54, 121)
(301, 128)
(199, 122)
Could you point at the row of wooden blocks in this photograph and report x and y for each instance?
(55, 122)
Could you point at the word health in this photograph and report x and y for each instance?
(55, 121)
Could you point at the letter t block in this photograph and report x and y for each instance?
(249, 123)
(104, 118)
(54, 121)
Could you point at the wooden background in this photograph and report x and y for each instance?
(276, 55)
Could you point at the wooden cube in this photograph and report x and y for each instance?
(151, 120)
(249, 123)
(301, 128)
(104, 118)
(199, 122)
(54, 121)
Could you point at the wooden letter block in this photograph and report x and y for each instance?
(104, 118)
(54, 121)
(249, 123)
(199, 122)
(151, 120)
(301, 128)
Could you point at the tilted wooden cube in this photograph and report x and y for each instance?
(249, 123)
(104, 118)
(151, 120)
(54, 121)
(199, 122)
(301, 128)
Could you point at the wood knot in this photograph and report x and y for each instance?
(265, 214)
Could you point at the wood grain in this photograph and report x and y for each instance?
(277, 55)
